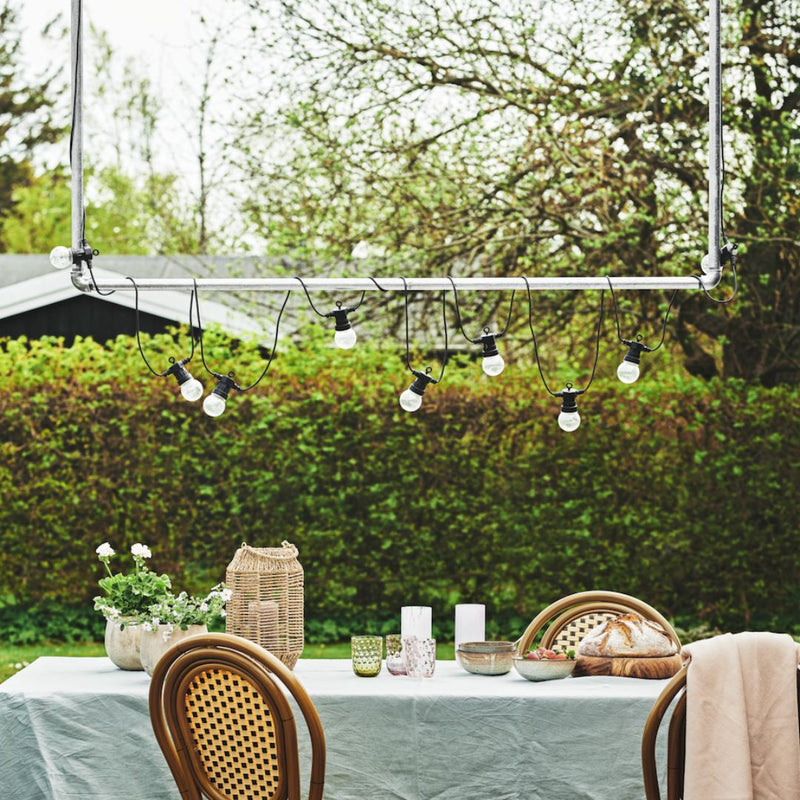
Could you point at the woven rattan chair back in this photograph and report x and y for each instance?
(673, 692)
(225, 725)
(563, 624)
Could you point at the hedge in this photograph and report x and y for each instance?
(678, 491)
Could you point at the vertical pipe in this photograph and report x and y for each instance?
(76, 134)
(714, 141)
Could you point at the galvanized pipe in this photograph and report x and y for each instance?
(76, 135)
(394, 284)
(712, 266)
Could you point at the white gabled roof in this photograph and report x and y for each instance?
(56, 286)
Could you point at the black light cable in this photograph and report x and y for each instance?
(568, 419)
(628, 370)
(191, 388)
(411, 398)
(215, 402)
(344, 336)
(492, 362)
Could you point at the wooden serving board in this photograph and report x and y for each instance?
(627, 667)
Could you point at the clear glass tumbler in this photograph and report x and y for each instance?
(367, 655)
(420, 655)
(395, 658)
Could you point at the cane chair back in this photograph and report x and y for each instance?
(674, 691)
(223, 721)
(564, 624)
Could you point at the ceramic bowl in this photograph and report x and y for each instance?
(485, 658)
(545, 670)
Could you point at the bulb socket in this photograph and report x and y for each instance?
(223, 387)
(634, 354)
(180, 372)
(420, 383)
(342, 323)
(489, 345)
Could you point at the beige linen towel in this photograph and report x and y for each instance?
(742, 738)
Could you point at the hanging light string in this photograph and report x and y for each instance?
(536, 346)
(428, 370)
(485, 330)
(338, 304)
(139, 341)
(230, 375)
(638, 336)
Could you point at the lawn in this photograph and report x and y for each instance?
(13, 659)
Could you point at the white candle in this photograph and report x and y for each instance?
(470, 623)
(415, 621)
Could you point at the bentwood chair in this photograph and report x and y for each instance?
(676, 738)
(568, 620)
(225, 725)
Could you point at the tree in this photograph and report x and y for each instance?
(26, 121)
(538, 138)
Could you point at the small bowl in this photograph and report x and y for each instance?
(485, 658)
(545, 670)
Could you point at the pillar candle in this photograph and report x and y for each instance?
(470, 623)
(415, 621)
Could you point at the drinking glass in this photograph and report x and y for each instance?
(367, 653)
(395, 658)
(420, 656)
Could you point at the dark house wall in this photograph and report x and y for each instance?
(81, 316)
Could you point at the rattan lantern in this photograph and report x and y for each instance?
(266, 604)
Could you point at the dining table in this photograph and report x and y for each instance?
(79, 729)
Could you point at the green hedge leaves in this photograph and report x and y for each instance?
(680, 492)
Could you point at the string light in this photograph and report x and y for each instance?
(569, 419)
(411, 398)
(191, 388)
(214, 404)
(344, 336)
(492, 362)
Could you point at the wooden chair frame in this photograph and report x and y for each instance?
(267, 675)
(568, 610)
(676, 738)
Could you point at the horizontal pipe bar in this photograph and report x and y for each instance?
(83, 282)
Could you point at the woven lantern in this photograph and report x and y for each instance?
(266, 604)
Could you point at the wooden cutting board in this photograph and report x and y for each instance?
(627, 667)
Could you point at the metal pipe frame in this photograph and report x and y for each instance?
(711, 269)
(76, 135)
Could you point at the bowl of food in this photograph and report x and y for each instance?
(544, 665)
(485, 658)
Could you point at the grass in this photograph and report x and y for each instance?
(14, 658)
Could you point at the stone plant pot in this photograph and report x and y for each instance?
(122, 643)
(157, 641)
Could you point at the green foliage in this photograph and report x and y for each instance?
(675, 490)
(130, 593)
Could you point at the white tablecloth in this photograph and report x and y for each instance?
(79, 728)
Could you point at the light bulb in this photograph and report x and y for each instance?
(192, 390)
(628, 372)
(569, 421)
(493, 365)
(410, 401)
(345, 339)
(61, 257)
(214, 405)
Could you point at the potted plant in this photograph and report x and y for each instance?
(126, 595)
(174, 617)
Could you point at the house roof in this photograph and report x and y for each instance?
(29, 282)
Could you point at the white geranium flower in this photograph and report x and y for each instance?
(141, 550)
(223, 613)
(227, 594)
(146, 626)
(203, 606)
(105, 550)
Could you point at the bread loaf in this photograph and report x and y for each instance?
(628, 635)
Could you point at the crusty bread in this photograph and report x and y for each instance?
(627, 635)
